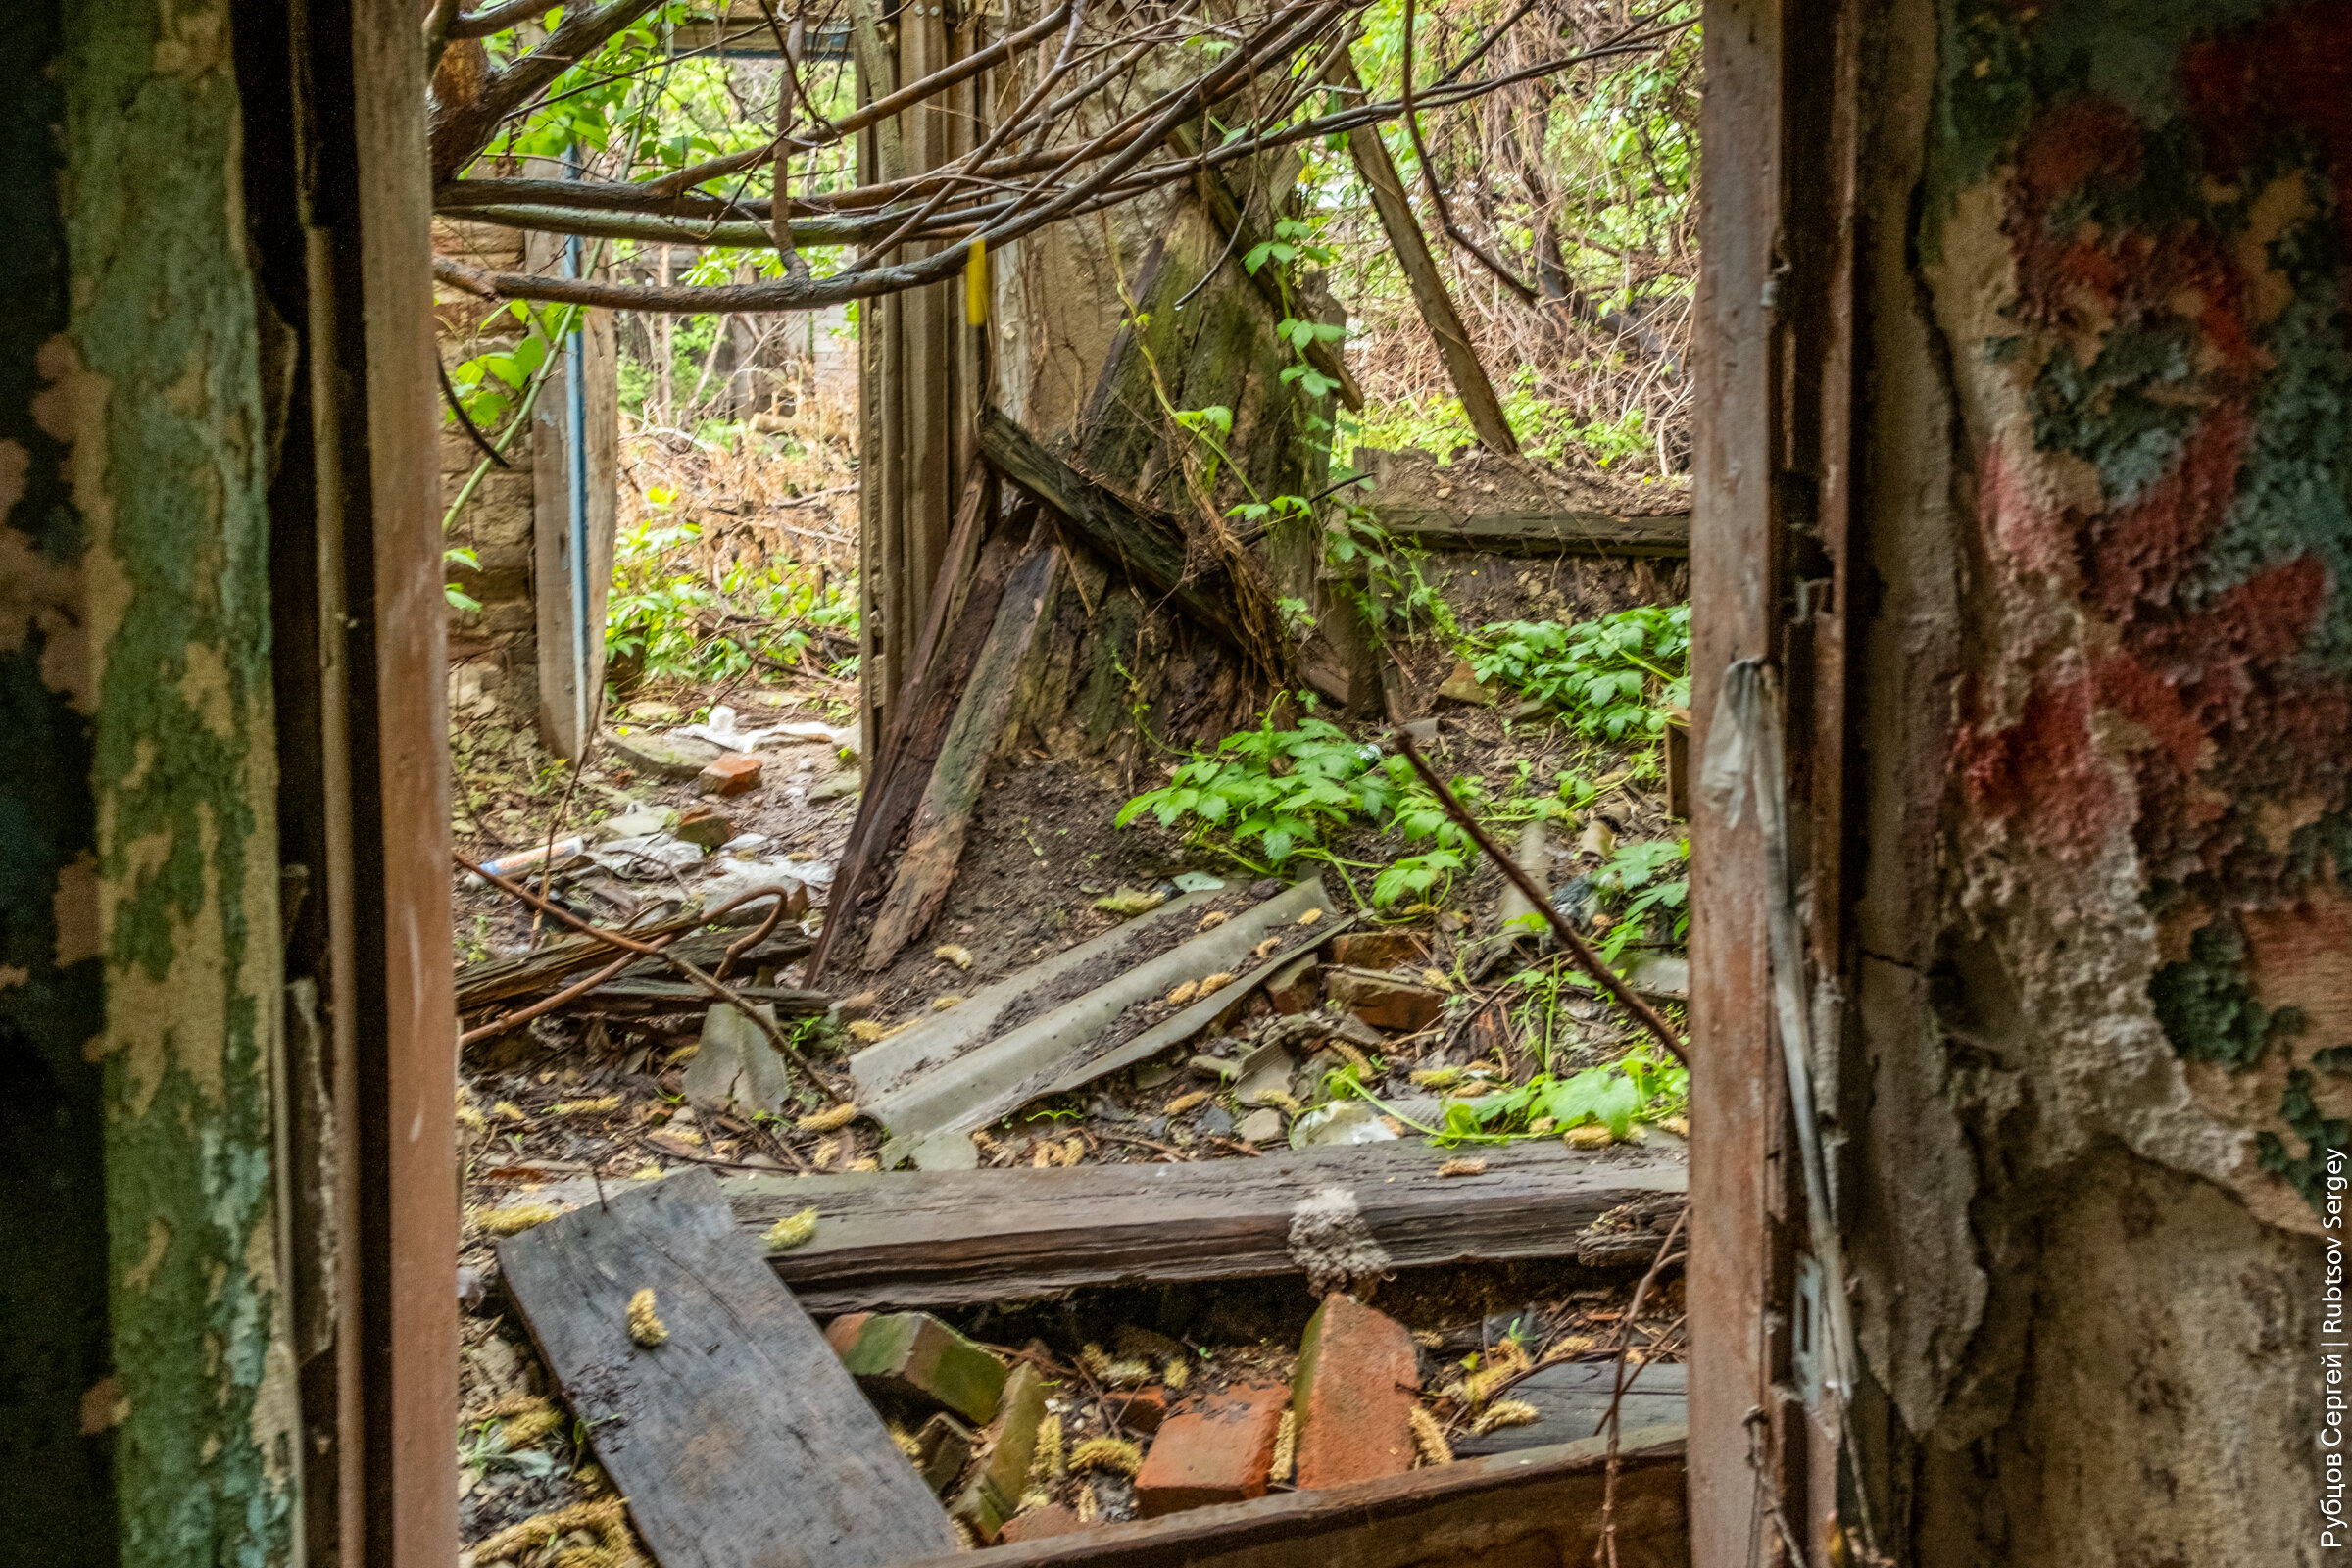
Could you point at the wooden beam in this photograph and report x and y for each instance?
(935, 838)
(739, 1439)
(1514, 1510)
(1530, 532)
(1378, 174)
(532, 974)
(927, 1238)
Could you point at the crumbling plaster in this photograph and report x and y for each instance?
(2106, 708)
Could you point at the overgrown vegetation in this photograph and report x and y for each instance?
(1597, 675)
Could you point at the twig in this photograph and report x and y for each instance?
(1604, 1550)
(1586, 958)
(473, 431)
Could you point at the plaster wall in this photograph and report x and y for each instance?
(2107, 942)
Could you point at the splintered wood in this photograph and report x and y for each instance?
(737, 1438)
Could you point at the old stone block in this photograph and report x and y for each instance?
(1219, 1452)
(676, 758)
(1353, 1392)
(706, 825)
(942, 1448)
(914, 1356)
(1384, 1001)
(996, 1492)
(729, 774)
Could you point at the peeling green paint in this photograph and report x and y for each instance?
(158, 368)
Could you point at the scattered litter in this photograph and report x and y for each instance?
(521, 860)
(652, 856)
(1343, 1121)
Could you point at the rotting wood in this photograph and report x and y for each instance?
(1539, 532)
(1540, 1506)
(676, 996)
(913, 712)
(1571, 1400)
(1411, 247)
(935, 837)
(931, 1239)
(739, 1441)
(1148, 542)
(529, 974)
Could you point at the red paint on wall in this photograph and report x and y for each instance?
(2042, 775)
(2135, 557)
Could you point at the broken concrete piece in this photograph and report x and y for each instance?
(1265, 1071)
(665, 757)
(1259, 1126)
(1354, 1394)
(836, 786)
(994, 1494)
(706, 825)
(641, 823)
(1384, 1001)
(1378, 949)
(913, 1355)
(1462, 686)
(729, 774)
(1298, 986)
(1220, 1453)
(736, 1066)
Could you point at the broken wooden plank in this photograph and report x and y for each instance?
(942, 1238)
(1511, 505)
(1538, 531)
(935, 837)
(739, 1441)
(1541, 1507)
(681, 996)
(1378, 172)
(1572, 1398)
(532, 974)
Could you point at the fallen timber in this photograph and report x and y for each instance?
(1535, 1506)
(953, 1238)
(532, 974)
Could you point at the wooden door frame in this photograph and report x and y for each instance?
(1771, 541)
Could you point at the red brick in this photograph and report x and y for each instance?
(1137, 1409)
(1353, 1391)
(728, 774)
(1298, 986)
(1052, 1520)
(1384, 1001)
(1378, 949)
(841, 1332)
(1219, 1452)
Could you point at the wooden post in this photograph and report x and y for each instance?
(1379, 173)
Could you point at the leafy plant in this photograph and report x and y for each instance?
(1637, 869)
(682, 626)
(1637, 1087)
(1285, 792)
(1597, 673)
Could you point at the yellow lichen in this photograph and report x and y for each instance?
(1183, 992)
(1279, 1101)
(1184, 1103)
(600, 1105)
(830, 1119)
(1310, 917)
(1046, 1462)
(947, 952)
(1438, 1077)
(865, 1031)
(644, 1327)
(1114, 1457)
(515, 1219)
(525, 1429)
(647, 1173)
(866, 1165)
(1506, 1413)
(1463, 1167)
(470, 1115)
(1215, 982)
(954, 999)
(1265, 949)
(1429, 1439)
(507, 1110)
(1176, 1374)
(1086, 1506)
(826, 1154)
(1211, 921)
(793, 1230)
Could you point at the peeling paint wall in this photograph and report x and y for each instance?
(2107, 925)
(138, 932)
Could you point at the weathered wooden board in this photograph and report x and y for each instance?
(549, 968)
(1538, 1508)
(1574, 1396)
(740, 1443)
(1538, 531)
(917, 1239)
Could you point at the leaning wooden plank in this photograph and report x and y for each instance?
(738, 1439)
(1514, 1510)
(935, 837)
(927, 1239)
